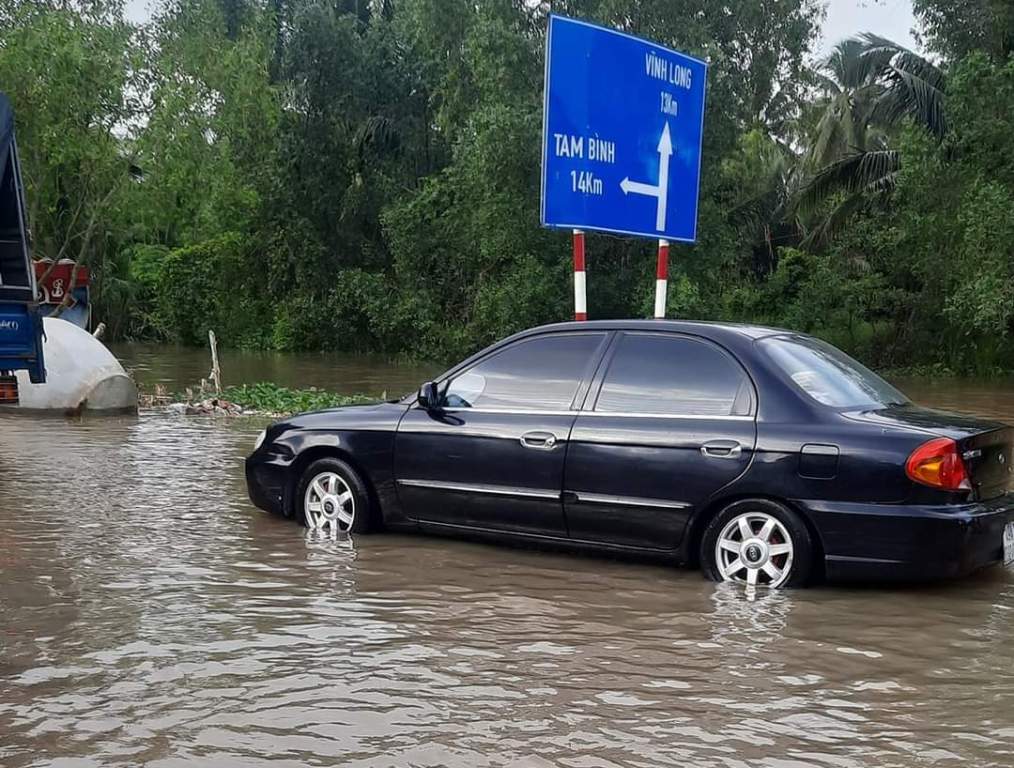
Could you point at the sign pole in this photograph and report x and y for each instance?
(580, 300)
(661, 278)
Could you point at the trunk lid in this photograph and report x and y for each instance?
(988, 457)
(986, 446)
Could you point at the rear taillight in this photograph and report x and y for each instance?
(938, 464)
(8, 390)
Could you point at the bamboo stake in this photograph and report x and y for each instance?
(216, 371)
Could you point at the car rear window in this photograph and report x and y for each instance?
(828, 375)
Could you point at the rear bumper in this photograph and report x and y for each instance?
(867, 542)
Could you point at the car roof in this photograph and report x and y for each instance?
(701, 327)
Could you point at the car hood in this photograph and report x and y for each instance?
(375, 416)
(929, 420)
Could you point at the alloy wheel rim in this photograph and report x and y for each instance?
(329, 504)
(755, 549)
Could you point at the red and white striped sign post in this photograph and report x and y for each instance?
(580, 298)
(662, 278)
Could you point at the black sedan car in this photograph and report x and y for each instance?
(767, 457)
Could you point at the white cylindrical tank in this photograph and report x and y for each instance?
(81, 375)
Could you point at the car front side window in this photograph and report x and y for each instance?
(541, 374)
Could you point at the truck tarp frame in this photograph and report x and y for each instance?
(17, 276)
(20, 321)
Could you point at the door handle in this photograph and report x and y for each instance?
(540, 441)
(722, 449)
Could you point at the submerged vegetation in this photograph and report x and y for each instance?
(329, 174)
(272, 398)
(261, 399)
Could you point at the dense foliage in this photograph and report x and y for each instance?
(364, 175)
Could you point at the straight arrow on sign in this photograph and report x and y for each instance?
(659, 191)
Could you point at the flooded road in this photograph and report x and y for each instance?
(149, 615)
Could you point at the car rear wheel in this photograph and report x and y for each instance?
(759, 543)
(332, 497)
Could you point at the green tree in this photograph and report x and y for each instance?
(207, 143)
(68, 72)
(364, 174)
(956, 28)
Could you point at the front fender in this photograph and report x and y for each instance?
(291, 447)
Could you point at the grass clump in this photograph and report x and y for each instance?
(273, 398)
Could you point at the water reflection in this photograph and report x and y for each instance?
(149, 615)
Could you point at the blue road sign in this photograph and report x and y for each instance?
(621, 133)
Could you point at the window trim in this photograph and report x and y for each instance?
(515, 411)
(580, 394)
(589, 408)
(661, 415)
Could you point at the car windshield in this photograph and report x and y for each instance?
(830, 376)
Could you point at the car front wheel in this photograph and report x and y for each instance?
(757, 542)
(332, 497)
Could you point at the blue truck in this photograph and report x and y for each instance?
(20, 318)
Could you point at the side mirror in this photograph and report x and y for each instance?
(429, 396)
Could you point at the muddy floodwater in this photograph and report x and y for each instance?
(149, 615)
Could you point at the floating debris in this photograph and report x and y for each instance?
(211, 407)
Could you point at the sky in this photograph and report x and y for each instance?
(892, 19)
(889, 18)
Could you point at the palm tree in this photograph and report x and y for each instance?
(872, 85)
(850, 90)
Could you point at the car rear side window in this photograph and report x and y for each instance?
(537, 374)
(828, 375)
(674, 375)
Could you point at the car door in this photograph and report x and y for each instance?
(492, 456)
(670, 421)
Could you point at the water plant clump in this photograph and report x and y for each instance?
(263, 398)
(267, 397)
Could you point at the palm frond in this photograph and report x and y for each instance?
(913, 85)
(831, 132)
(911, 95)
(379, 134)
(855, 173)
(826, 84)
(883, 48)
(849, 64)
(754, 211)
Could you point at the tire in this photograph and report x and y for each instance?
(777, 554)
(328, 494)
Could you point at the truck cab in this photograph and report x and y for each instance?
(20, 318)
